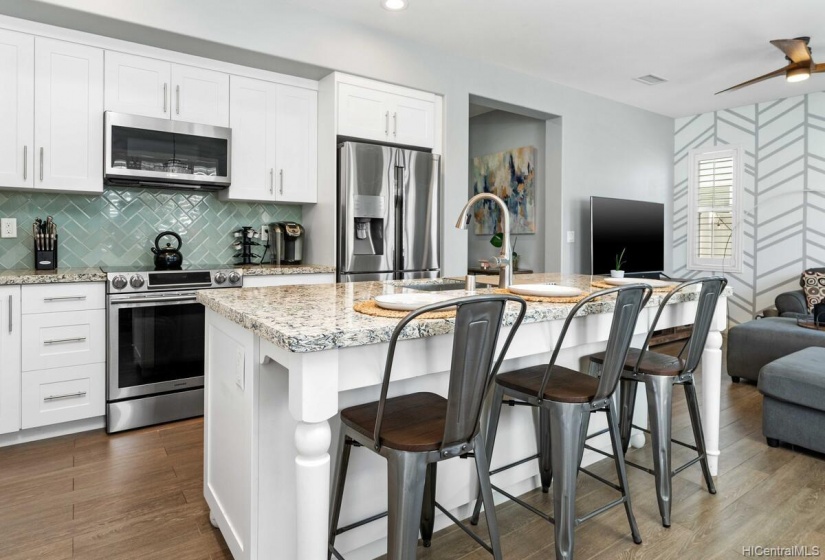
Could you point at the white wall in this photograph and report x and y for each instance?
(784, 194)
(607, 148)
(496, 132)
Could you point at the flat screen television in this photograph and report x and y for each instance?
(636, 226)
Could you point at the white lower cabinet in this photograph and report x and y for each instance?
(51, 396)
(9, 359)
(63, 353)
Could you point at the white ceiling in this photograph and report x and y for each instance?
(699, 46)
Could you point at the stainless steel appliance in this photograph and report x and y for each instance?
(388, 213)
(165, 153)
(155, 339)
(287, 242)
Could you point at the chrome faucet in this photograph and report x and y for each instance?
(505, 269)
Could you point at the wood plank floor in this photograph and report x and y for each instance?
(139, 495)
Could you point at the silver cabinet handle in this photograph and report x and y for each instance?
(65, 340)
(11, 316)
(281, 173)
(63, 298)
(41, 163)
(177, 100)
(165, 87)
(25, 162)
(395, 124)
(65, 396)
(387, 123)
(271, 180)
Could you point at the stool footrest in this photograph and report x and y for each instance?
(514, 464)
(600, 479)
(461, 526)
(360, 523)
(601, 510)
(524, 504)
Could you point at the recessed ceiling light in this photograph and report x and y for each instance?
(394, 5)
(650, 80)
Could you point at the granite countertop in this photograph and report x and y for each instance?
(275, 269)
(320, 317)
(29, 276)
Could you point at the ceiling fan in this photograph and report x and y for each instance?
(800, 64)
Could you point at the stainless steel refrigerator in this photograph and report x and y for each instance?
(388, 213)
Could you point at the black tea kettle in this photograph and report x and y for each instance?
(168, 258)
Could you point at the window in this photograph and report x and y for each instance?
(714, 199)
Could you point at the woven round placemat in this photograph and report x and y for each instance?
(605, 286)
(540, 299)
(370, 307)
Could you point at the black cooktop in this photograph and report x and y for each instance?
(149, 268)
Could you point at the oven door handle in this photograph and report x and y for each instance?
(153, 299)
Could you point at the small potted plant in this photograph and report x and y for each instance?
(618, 272)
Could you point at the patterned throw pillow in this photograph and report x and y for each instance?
(813, 284)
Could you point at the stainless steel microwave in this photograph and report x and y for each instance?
(165, 153)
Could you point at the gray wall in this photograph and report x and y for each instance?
(784, 194)
(495, 132)
(607, 148)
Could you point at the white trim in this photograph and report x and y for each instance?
(110, 44)
(734, 263)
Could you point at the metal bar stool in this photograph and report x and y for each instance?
(565, 399)
(414, 432)
(659, 373)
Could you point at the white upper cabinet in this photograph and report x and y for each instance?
(137, 85)
(296, 145)
(68, 116)
(274, 142)
(200, 96)
(16, 109)
(387, 114)
(10, 363)
(252, 119)
(155, 88)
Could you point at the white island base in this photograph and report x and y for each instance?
(271, 414)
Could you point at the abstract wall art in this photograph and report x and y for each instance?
(509, 175)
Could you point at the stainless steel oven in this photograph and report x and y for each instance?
(155, 358)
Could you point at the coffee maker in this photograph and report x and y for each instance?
(287, 242)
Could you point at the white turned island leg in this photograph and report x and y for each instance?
(712, 386)
(312, 489)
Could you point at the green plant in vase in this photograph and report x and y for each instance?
(496, 242)
(618, 272)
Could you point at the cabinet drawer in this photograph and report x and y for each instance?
(53, 340)
(77, 296)
(60, 395)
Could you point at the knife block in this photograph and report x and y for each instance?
(46, 259)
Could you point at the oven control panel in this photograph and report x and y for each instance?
(166, 280)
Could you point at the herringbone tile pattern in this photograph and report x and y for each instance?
(118, 227)
(784, 193)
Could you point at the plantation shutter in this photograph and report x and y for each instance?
(714, 188)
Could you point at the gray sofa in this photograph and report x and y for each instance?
(754, 344)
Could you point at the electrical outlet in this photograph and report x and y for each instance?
(571, 236)
(8, 227)
(239, 368)
(264, 234)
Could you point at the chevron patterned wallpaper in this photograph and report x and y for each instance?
(783, 214)
(118, 227)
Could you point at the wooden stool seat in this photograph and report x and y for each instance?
(653, 363)
(564, 385)
(411, 422)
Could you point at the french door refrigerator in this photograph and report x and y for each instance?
(388, 213)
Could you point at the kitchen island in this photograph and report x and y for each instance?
(281, 363)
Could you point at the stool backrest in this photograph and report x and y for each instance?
(711, 289)
(474, 362)
(629, 302)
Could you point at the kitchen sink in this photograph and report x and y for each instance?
(445, 287)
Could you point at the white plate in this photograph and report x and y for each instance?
(544, 290)
(409, 302)
(649, 281)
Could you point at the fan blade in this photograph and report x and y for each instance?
(795, 49)
(818, 68)
(775, 73)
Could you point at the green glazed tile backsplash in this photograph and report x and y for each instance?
(118, 227)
